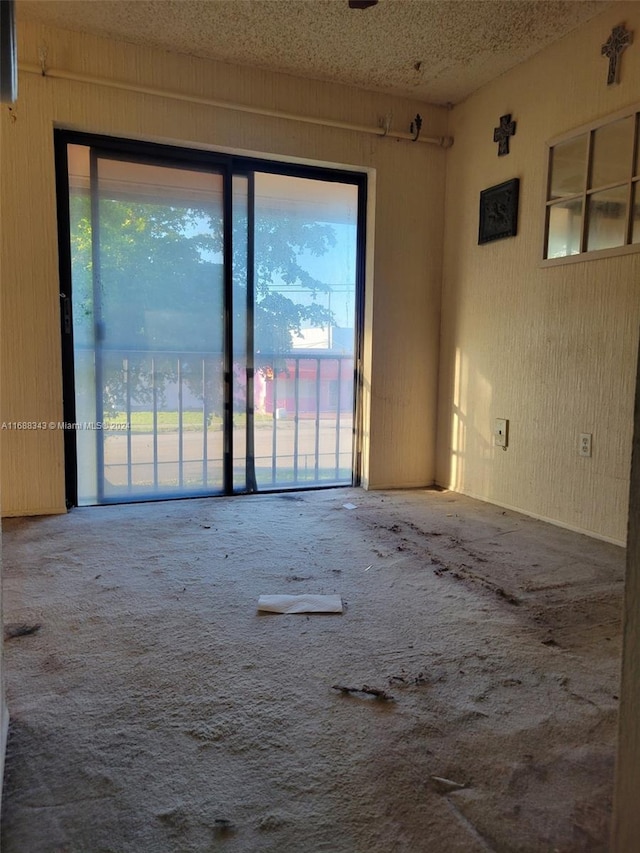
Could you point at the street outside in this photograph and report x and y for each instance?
(194, 471)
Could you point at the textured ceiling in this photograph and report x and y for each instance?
(432, 50)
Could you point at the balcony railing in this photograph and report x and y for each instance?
(164, 431)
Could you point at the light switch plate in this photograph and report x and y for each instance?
(501, 432)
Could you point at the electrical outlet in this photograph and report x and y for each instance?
(501, 432)
(585, 444)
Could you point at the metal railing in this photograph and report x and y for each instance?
(163, 416)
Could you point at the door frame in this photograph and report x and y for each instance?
(229, 165)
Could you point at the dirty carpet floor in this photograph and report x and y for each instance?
(156, 710)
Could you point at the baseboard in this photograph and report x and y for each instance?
(565, 526)
(23, 513)
(394, 487)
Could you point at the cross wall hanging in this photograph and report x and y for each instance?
(619, 39)
(501, 134)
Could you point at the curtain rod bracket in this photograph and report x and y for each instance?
(416, 127)
(385, 124)
(42, 56)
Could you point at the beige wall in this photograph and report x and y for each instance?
(551, 349)
(403, 295)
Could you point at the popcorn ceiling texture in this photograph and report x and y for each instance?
(458, 46)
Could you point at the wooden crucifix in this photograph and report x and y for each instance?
(502, 133)
(613, 47)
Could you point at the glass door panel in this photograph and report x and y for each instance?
(305, 235)
(147, 284)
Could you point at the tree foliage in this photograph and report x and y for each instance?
(159, 284)
(161, 275)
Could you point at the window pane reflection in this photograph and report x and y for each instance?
(565, 227)
(568, 167)
(612, 152)
(607, 218)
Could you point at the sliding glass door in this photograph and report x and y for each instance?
(210, 318)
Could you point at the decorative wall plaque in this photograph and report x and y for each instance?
(499, 211)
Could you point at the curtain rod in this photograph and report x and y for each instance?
(42, 71)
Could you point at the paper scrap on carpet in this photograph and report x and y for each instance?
(300, 604)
